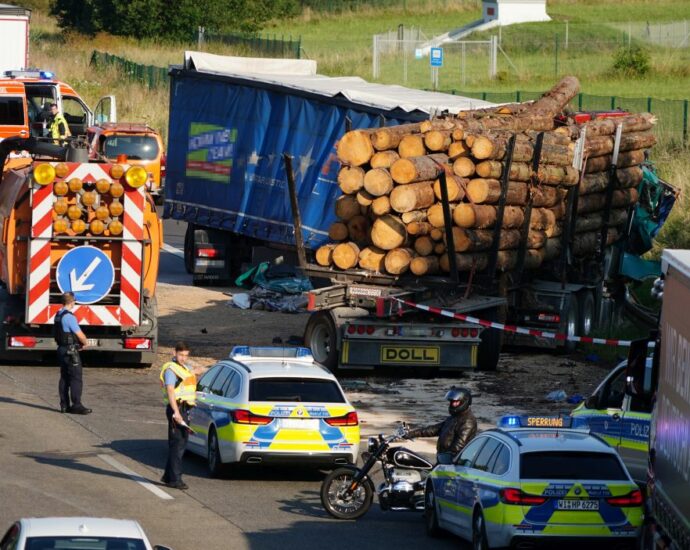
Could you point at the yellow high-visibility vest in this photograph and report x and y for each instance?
(185, 391)
(55, 127)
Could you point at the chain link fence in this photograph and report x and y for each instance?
(148, 75)
(406, 61)
(254, 45)
(672, 115)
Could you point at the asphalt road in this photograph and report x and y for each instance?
(109, 463)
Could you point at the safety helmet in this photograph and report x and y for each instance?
(463, 395)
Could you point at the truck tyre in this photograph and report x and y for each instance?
(321, 338)
(189, 249)
(588, 317)
(490, 347)
(572, 325)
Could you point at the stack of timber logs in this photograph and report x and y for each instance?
(391, 216)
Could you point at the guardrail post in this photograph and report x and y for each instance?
(685, 121)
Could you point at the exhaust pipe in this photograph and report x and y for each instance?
(254, 460)
(341, 461)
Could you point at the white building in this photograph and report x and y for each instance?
(14, 30)
(509, 12)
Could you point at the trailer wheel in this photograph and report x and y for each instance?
(189, 249)
(320, 337)
(490, 347)
(572, 325)
(588, 320)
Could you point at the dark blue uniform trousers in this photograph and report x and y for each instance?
(177, 443)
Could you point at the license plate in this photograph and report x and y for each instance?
(92, 342)
(300, 423)
(575, 504)
(411, 355)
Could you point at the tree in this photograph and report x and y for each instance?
(168, 19)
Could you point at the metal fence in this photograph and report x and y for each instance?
(254, 45)
(669, 35)
(672, 115)
(406, 61)
(145, 74)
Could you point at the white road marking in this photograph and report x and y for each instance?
(146, 484)
(172, 250)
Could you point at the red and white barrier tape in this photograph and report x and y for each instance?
(516, 329)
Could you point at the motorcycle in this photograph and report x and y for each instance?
(348, 492)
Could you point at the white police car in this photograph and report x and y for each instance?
(535, 483)
(60, 533)
(272, 404)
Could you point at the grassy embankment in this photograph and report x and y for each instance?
(342, 46)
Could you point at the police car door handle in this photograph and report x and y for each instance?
(616, 416)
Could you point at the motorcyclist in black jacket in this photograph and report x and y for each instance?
(456, 430)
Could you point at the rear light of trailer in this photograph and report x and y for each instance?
(241, 416)
(22, 342)
(516, 496)
(351, 329)
(370, 329)
(137, 343)
(464, 332)
(631, 499)
(207, 253)
(474, 332)
(350, 419)
(549, 318)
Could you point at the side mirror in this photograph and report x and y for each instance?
(444, 458)
(159, 547)
(592, 401)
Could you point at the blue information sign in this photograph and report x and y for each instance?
(87, 272)
(436, 57)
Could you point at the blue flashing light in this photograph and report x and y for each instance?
(47, 74)
(271, 352)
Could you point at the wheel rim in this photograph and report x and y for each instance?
(320, 343)
(342, 502)
(587, 319)
(213, 453)
(572, 323)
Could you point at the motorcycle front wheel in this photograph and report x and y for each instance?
(341, 502)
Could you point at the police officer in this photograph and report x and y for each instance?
(59, 129)
(178, 381)
(456, 430)
(70, 339)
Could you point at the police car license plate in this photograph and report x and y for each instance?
(576, 504)
(300, 423)
(92, 342)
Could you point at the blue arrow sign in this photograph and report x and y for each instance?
(436, 57)
(87, 272)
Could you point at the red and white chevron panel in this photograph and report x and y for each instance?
(132, 256)
(128, 312)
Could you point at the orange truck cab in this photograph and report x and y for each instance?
(139, 143)
(25, 97)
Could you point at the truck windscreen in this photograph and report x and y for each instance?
(135, 147)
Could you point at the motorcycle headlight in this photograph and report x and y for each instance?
(372, 444)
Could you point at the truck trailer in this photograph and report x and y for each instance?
(235, 126)
(669, 443)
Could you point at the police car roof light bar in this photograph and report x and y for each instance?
(272, 352)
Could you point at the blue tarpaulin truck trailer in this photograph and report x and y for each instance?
(231, 121)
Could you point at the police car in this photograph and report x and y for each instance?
(272, 404)
(534, 483)
(622, 417)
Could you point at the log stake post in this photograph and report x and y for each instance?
(448, 224)
(569, 228)
(382, 121)
(522, 250)
(613, 181)
(505, 178)
(296, 216)
(348, 124)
